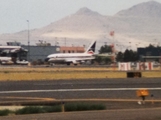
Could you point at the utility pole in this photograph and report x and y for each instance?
(65, 42)
(28, 40)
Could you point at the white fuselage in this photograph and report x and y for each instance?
(74, 58)
(70, 57)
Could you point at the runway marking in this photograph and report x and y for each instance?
(77, 90)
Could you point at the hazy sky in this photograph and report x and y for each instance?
(15, 13)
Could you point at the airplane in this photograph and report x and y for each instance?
(73, 58)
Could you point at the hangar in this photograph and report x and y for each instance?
(39, 52)
(150, 54)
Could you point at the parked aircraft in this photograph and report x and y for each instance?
(73, 58)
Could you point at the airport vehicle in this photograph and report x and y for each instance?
(73, 58)
(6, 60)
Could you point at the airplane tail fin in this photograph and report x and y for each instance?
(91, 48)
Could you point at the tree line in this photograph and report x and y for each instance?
(126, 56)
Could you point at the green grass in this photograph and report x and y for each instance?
(49, 109)
(83, 107)
(38, 109)
(30, 110)
(56, 108)
(5, 112)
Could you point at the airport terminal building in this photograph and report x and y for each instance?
(35, 53)
(29, 53)
(40, 52)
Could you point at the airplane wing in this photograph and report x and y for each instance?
(72, 60)
(77, 60)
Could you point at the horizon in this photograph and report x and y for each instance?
(15, 13)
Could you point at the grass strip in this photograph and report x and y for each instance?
(16, 74)
(5, 112)
(60, 75)
(38, 109)
(56, 108)
(83, 107)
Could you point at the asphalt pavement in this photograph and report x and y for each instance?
(121, 114)
(99, 89)
(119, 96)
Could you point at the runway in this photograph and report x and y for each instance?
(119, 95)
(79, 89)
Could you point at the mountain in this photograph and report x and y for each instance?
(86, 11)
(134, 27)
(146, 9)
(142, 22)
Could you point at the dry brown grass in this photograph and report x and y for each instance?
(151, 74)
(65, 73)
(32, 69)
(58, 75)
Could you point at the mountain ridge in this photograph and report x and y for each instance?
(145, 9)
(86, 11)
